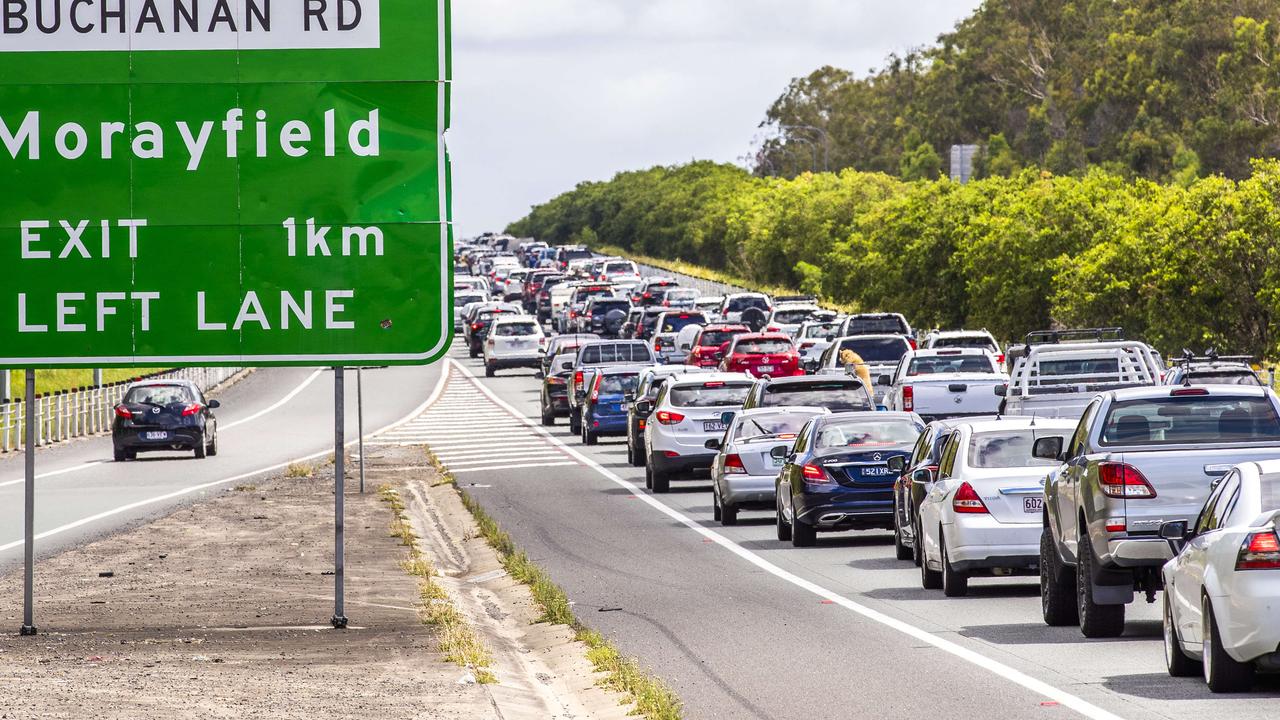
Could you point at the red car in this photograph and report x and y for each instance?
(708, 346)
(762, 354)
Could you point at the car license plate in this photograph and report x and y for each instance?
(712, 426)
(876, 472)
(765, 368)
(155, 435)
(1032, 504)
(777, 461)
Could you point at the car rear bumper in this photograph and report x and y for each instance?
(182, 437)
(845, 515)
(980, 542)
(1137, 552)
(510, 360)
(749, 490)
(680, 464)
(1249, 618)
(609, 424)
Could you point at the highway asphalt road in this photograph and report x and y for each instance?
(745, 626)
(269, 419)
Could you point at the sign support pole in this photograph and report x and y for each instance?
(29, 508)
(339, 619)
(360, 423)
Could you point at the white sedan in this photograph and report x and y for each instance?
(984, 512)
(1222, 590)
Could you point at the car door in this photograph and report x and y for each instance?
(1065, 502)
(1194, 558)
(902, 488)
(787, 477)
(933, 507)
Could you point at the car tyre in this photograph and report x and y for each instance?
(661, 481)
(728, 514)
(588, 437)
(955, 583)
(1175, 659)
(648, 477)
(489, 370)
(929, 579)
(802, 534)
(119, 454)
(472, 351)
(783, 528)
(211, 449)
(1223, 673)
(715, 505)
(575, 423)
(900, 550)
(201, 452)
(916, 556)
(1057, 586)
(548, 417)
(1096, 621)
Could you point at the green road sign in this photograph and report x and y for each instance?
(237, 182)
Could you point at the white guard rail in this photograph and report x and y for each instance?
(85, 411)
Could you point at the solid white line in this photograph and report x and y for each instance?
(292, 394)
(53, 473)
(1062, 697)
(444, 373)
(489, 468)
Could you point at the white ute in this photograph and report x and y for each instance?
(944, 383)
(1056, 373)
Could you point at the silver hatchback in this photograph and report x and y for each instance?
(744, 472)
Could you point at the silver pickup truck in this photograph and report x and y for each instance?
(1139, 458)
(1055, 376)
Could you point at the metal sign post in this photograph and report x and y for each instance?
(339, 440)
(29, 509)
(360, 424)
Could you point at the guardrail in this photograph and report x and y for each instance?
(85, 411)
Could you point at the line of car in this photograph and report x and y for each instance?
(1078, 457)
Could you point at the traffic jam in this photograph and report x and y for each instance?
(1114, 473)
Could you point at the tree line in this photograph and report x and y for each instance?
(1183, 265)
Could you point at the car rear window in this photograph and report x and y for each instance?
(515, 329)
(568, 255)
(158, 395)
(1191, 419)
(742, 303)
(616, 352)
(791, 317)
(950, 364)
(836, 395)
(716, 338)
(678, 322)
(866, 433)
(874, 326)
(710, 394)
(877, 350)
(604, 306)
(1005, 449)
(1240, 377)
(467, 299)
(763, 347)
(760, 427)
(975, 341)
(618, 384)
(596, 291)
(619, 267)
(1073, 372)
(822, 332)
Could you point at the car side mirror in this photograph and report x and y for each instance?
(884, 380)
(644, 407)
(1177, 533)
(897, 464)
(712, 444)
(538, 375)
(1001, 390)
(923, 476)
(1047, 448)
(214, 404)
(780, 452)
(727, 416)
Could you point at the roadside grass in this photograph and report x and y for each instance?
(299, 470)
(48, 381)
(652, 698)
(458, 641)
(706, 273)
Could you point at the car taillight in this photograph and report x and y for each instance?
(657, 343)
(577, 378)
(555, 381)
(642, 423)
(1122, 480)
(647, 295)
(1260, 551)
(191, 409)
(124, 412)
(733, 465)
(666, 417)
(815, 475)
(908, 398)
(912, 342)
(1186, 391)
(1000, 359)
(595, 388)
(476, 326)
(966, 500)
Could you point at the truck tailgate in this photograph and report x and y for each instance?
(945, 395)
(1182, 480)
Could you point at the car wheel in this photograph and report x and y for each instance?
(548, 417)
(1223, 673)
(1096, 621)
(955, 583)
(1057, 586)
(588, 437)
(802, 534)
(119, 454)
(648, 477)
(200, 449)
(916, 557)
(929, 579)
(661, 481)
(715, 505)
(471, 351)
(728, 514)
(900, 550)
(489, 370)
(575, 425)
(631, 453)
(1175, 659)
(212, 448)
(784, 530)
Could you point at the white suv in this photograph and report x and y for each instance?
(687, 413)
(514, 341)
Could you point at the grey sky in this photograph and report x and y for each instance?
(550, 93)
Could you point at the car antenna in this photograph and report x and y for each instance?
(1033, 420)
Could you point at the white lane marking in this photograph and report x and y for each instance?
(490, 468)
(292, 394)
(505, 446)
(435, 393)
(551, 454)
(1062, 697)
(468, 453)
(76, 468)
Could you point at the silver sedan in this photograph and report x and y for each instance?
(744, 470)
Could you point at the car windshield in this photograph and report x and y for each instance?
(872, 326)
(1005, 449)
(837, 395)
(866, 433)
(616, 352)
(949, 364)
(461, 300)
(1228, 377)
(791, 317)
(822, 332)
(760, 427)
(1191, 419)
(515, 329)
(739, 304)
(966, 341)
(716, 338)
(618, 384)
(711, 394)
(158, 395)
(615, 268)
(762, 347)
(1074, 372)
(877, 350)
(676, 323)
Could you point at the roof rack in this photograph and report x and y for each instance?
(1211, 356)
(795, 298)
(1053, 337)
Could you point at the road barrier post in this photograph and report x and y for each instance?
(29, 509)
(360, 424)
(339, 619)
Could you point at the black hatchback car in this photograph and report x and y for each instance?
(164, 415)
(835, 393)
(840, 472)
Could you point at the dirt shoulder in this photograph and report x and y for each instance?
(221, 610)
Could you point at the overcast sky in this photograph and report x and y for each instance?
(550, 93)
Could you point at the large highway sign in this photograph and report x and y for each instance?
(258, 182)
